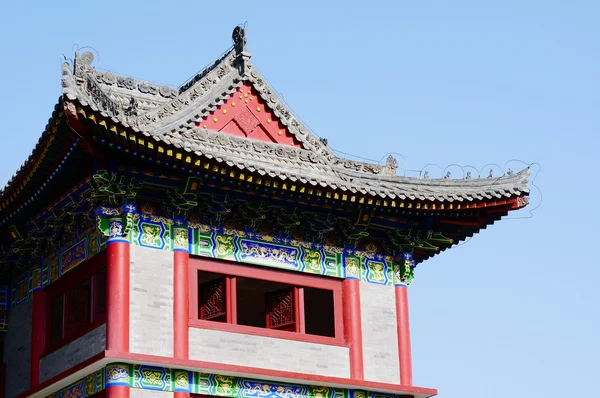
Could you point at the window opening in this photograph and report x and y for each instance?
(73, 311)
(318, 312)
(265, 304)
(212, 296)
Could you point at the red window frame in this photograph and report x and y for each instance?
(91, 269)
(232, 270)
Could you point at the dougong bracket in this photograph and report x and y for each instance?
(404, 270)
(116, 223)
(111, 189)
(181, 200)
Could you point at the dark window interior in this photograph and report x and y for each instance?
(57, 318)
(266, 304)
(212, 297)
(251, 300)
(318, 312)
(74, 310)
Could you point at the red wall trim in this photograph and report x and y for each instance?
(403, 325)
(275, 275)
(353, 327)
(273, 333)
(117, 296)
(299, 310)
(181, 299)
(281, 276)
(231, 292)
(259, 373)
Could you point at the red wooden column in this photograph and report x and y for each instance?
(353, 326)
(403, 335)
(38, 335)
(118, 392)
(117, 295)
(117, 298)
(117, 380)
(181, 297)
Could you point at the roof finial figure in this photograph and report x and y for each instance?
(239, 39)
(82, 64)
(468, 177)
(510, 172)
(491, 173)
(86, 58)
(426, 175)
(391, 164)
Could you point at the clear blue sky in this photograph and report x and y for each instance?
(515, 311)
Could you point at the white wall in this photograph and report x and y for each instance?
(140, 393)
(379, 333)
(151, 302)
(269, 353)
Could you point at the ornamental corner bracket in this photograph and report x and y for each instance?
(116, 223)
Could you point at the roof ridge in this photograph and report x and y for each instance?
(211, 87)
(305, 166)
(285, 114)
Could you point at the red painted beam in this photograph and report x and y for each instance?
(38, 335)
(353, 327)
(403, 325)
(117, 296)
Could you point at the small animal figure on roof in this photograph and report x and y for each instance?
(239, 39)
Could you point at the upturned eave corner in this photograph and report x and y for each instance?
(102, 117)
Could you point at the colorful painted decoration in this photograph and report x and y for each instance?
(179, 380)
(81, 248)
(162, 233)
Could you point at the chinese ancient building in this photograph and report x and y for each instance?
(200, 241)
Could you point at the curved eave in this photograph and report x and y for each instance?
(418, 195)
(320, 180)
(38, 167)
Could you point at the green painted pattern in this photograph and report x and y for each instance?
(219, 243)
(180, 380)
(270, 251)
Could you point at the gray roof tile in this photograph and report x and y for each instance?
(169, 115)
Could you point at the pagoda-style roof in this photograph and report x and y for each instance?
(226, 120)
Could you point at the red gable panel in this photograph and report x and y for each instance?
(245, 114)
